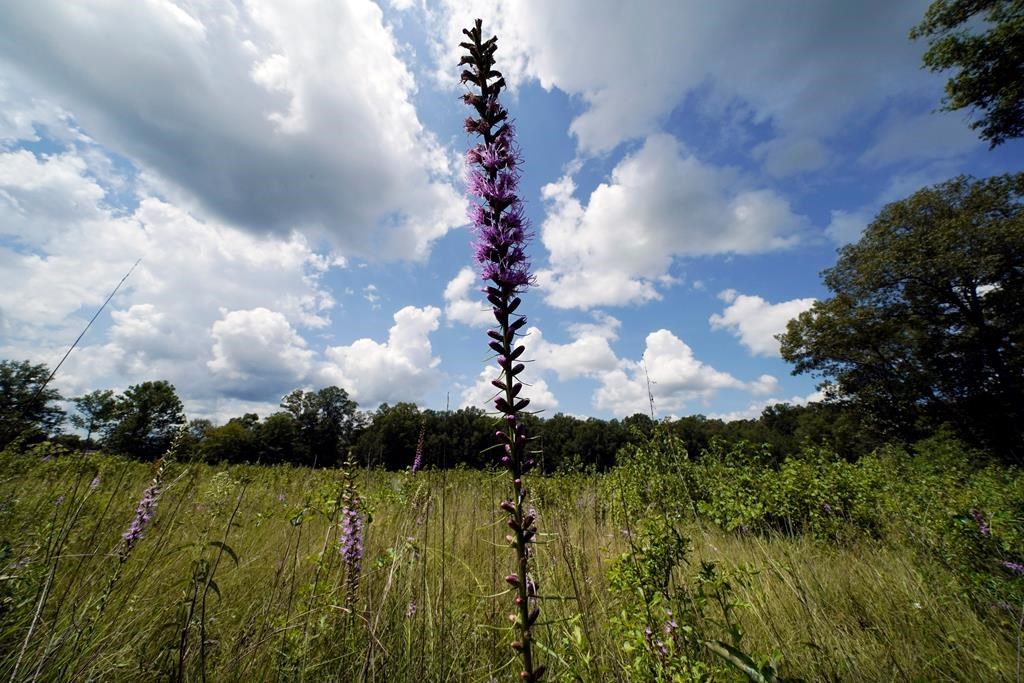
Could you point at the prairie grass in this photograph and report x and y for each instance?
(239, 578)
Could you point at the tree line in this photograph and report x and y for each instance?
(321, 428)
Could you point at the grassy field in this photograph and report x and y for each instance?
(238, 577)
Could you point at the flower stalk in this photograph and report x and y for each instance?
(351, 544)
(502, 234)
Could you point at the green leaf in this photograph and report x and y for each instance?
(741, 661)
(226, 548)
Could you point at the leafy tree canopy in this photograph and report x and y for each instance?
(326, 421)
(26, 408)
(147, 416)
(989, 60)
(926, 322)
(96, 411)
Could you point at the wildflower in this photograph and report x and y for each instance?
(351, 544)
(352, 538)
(826, 508)
(417, 461)
(280, 497)
(1014, 567)
(979, 519)
(410, 610)
(143, 516)
(59, 501)
(502, 232)
(94, 484)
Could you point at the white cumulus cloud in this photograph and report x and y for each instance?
(632, 64)
(403, 368)
(660, 203)
(463, 301)
(670, 372)
(258, 351)
(268, 116)
(754, 410)
(481, 393)
(183, 306)
(755, 322)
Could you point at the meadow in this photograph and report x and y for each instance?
(724, 565)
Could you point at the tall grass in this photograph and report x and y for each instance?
(240, 577)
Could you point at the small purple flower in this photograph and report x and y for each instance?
(352, 547)
(143, 515)
(280, 497)
(417, 461)
(352, 538)
(410, 610)
(59, 501)
(1014, 567)
(94, 484)
(983, 527)
(826, 508)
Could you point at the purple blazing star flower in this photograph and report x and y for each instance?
(352, 538)
(351, 547)
(143, 516)
(502, 233)
(417, 461)
(1014, 567)
(983, 527)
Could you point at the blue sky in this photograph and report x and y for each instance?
(290, 175)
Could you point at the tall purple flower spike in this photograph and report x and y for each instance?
(502, 233)
(144, 511)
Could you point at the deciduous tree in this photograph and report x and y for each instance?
(147, 416)
(926, 321)
(26, 404)
(984, 41)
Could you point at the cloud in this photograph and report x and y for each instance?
(847, 226)
(257, 353)
(792, 154)
(676, 378)
(481, 393)
(754, 410)
(40, 195)
(660, 203)
(189, 312)
(459, 304)
(588, 355)
(755, 322)
(921, 137)
(401, 369)
(266, 116)
(633, 64)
